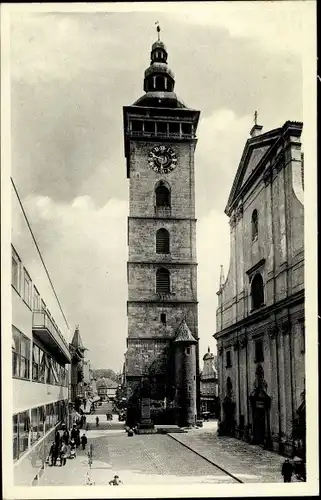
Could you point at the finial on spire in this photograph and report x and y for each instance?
(255, 117)
(208, 349)
(158, 29)
(256, 129)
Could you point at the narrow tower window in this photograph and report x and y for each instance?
(162, 196)
(228, 359)
(162, 241)
(255, 225)
(257, 291)
(259, 355)
(162, 281)
(163, 318)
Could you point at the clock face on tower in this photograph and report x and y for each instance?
(162, 159)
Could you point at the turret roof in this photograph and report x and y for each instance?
(184, 334)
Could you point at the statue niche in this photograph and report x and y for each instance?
(228, 424)
(260, 404)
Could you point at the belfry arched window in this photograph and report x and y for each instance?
(255, 225)
(162, 241)
(257, 291)
(163, 198)
(162, 281)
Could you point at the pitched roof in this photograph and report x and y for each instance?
(255, 155)
(184, 334)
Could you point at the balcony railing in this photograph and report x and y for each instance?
(144, 133)
(43, 324)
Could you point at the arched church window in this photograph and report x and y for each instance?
(162, 196)
(257, 291)
(162, 281)
(162, 241)
(255, 225)
(159, 83)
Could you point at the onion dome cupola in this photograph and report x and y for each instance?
(159, 80)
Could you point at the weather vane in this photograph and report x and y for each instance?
(158, 29)
(255, 117)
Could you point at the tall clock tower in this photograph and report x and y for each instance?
(162, 307)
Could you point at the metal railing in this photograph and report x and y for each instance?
(41, 319)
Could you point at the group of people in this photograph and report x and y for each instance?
(64, 445)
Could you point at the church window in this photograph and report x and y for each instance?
(162, 281)
(228, 359)
(162, 241)
(162, 128)
(255, 225)
(188, 350)
(163, 318)
(137, 126)
(150, 127)
(162, 196)
(174, 128)
(159, 83)
(257, 291)
(259, 354)
(186, 129)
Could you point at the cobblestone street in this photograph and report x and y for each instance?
(161, 459)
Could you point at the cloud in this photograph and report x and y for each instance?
(213, 239)
(85, 251)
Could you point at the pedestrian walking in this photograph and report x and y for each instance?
(83, 441)
(115, 481)
(65, 437)
(63, 454)
(287, 471)
(53, 453)
(97, 421)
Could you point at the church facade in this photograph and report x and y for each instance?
(260, 315)
(162, 307)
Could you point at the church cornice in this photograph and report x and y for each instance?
(261, 314)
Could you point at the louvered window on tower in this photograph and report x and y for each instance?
(162, 241)
(162, 196)
(162, 281)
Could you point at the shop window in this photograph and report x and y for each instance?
(162, 241)
(27, 288)
(162, 281)
(228, 359)
(255, 225)
(48, 420)
(15, 270)
(41, 420)
(259, 353)
(257, 291)
(34, 425)
(23, 430)
(35, 362)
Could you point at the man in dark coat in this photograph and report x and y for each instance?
(287, 470)
(53, 453)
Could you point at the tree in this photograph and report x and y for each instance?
(105, 373)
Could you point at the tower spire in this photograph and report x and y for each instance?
(158, 30)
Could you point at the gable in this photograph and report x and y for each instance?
(256, 155)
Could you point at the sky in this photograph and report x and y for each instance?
(71, 74)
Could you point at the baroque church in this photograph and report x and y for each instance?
(162, 307)
(260, 315)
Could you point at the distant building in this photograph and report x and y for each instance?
(107, 388)
(209, 384)
(260, 315)
(40, 354)
(77, 351)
